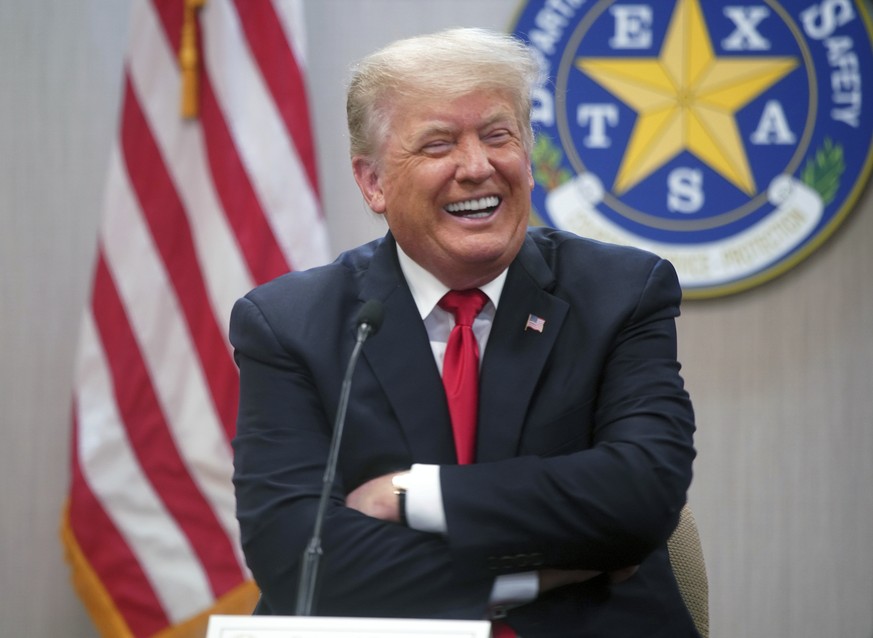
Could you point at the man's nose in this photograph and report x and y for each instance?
(474, 163)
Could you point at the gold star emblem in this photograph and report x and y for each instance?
(686, 99)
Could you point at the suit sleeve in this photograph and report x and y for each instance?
(616, 497)
(369, 567)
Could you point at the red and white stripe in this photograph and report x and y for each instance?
(197, 212)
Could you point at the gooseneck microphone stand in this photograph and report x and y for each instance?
(369, 321)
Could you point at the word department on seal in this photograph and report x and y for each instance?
(730, 138)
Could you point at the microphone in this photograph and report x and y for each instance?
(370, 318)
(368, 322)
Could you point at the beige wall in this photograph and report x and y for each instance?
(782, 379)
(782, 376)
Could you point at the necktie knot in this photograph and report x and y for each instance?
(464, 304)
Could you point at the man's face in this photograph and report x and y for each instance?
(454, 183)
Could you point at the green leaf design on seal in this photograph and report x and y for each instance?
(823, 171)
(546, 159)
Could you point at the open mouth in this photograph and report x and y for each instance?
(474, 208)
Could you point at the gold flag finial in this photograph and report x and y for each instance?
(189, 60)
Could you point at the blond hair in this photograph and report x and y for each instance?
(444, 65)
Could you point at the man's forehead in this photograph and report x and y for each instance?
(440, 115)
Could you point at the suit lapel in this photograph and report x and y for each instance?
(401, 359)
(515, 356)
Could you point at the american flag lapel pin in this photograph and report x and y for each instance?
(534, 323)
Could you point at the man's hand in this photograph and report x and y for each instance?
(617, 576)
(376, 498)
(554, 578)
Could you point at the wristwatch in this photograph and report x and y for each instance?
(400, 482)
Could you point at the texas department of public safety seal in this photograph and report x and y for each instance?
(729, 138)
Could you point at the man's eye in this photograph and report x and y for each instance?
(437, 146)
(498, 136)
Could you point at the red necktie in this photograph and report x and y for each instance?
(461, 369)
(461, 380)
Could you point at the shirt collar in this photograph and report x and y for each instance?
(427, 290)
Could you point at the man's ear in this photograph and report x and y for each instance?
(367, 177)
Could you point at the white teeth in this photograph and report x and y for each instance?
(474, 205)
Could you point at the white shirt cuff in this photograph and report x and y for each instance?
(511, 590)
(424, 499)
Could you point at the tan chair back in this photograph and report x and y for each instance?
(686, 557)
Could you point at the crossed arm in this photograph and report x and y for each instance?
(377, 498)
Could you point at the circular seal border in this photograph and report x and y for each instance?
(835, 213)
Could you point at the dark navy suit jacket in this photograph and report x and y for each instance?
(584, 440)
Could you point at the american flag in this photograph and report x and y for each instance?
(197, 211)
(535, 323)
